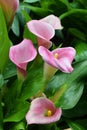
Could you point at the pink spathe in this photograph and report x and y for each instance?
(60, 58)
(44, 29)
(52, 20)
(39, 108)
(22, 53)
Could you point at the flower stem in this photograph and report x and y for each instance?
(49, 72)
(21, 74)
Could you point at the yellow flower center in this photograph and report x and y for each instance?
(49, 113)
(56, 55)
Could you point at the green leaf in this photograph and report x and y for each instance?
(34, 81)
(71, 96)
(78, 34)
(82, 2)
(55, 83)
(75, 18)
(25, 14)
(37, 10)
(15, 26)
(64, 87)
(18, 126)
(17, 112)
(82, 122)
(10, 70)
(80, 110)
(58, 6)
(81, 51)
(1, 81)
(4, 42)
(66, 3)
(75, 126)
(11, 93)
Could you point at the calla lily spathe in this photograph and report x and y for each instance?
(9, 8)
(60, 58)
(43, 111)
(44, 29)
(52, 20)
(22, 53)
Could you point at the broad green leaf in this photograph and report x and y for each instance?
(65, 87)
(1, 81)
(75, 126)
(80, 109)
(82, 122)
(55, 83)
(78, 34)
(10, 70)
(71, 96)
(11, 93)
(34, 81)
(18, 112)
(18, 126)
(4, 42)
(18, 23)
(81, 51)
(15, 26)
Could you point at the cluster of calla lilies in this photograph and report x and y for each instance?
(42, 110)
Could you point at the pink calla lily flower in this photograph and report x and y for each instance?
(9, 8)
(44, 29)
(60, 58)
(22, 53)
(43, 111)
(52, 20)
